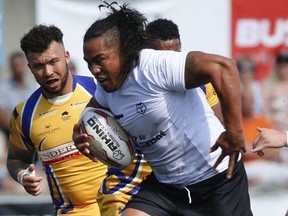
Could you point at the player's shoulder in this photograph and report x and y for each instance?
(86, 82)
(29, 103)
(32, 99)
(152, 54)
(159, 58)
(151, 60)
(84, 77)
(18, 108)
(81, 79)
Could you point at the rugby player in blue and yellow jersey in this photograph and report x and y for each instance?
(43, 124)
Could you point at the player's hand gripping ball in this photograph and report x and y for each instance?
(108, 141)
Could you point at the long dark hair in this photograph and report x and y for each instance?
(125, 26)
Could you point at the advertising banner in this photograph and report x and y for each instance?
(259, 30)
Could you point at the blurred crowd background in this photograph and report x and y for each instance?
(263, 70)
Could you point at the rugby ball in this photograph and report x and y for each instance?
(108, 141)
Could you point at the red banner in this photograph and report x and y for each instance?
(259, 30)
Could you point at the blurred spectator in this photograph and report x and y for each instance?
(13, 90)
(264, 171)
(72, 67)
(247, 72)
(276, 93)
(276, 96)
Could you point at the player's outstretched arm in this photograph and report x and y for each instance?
(21, 168)
(269, 138)
(222, 72)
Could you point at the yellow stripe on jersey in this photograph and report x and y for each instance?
(211, 95)
(120, 185)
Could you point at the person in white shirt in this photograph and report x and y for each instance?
(196, 163)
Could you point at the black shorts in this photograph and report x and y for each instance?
(216, 196)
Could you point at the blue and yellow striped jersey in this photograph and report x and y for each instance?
(47, 127)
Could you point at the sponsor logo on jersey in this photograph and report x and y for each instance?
(59, 153)
(48, 129)
(48, 113)
(152, 141)
(65, 115)
(47, 126)
(79, 104)
(141, 108)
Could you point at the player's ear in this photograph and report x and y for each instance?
(67, 57)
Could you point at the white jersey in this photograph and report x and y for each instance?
(173, 127)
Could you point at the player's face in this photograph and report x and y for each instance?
(173, 44)
(105, 63)
(50, 69)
